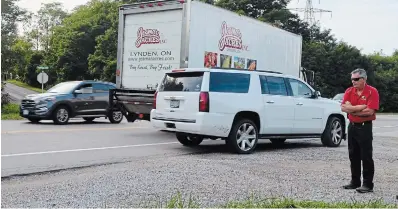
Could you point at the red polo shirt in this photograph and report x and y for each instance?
(369, 97)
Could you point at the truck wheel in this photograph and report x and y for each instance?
(61, 115)
(243, 137)
(115, 116)
(333, 134)
(34, 120)
(189, 141)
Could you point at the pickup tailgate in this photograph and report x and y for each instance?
(178, 96)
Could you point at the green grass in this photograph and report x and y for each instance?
(387, 113)
(290, 203)
(24, 85)
(177, 201)
(10, 112)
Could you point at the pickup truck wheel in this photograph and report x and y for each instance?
(61, 115)
(115, 116)
(333, 134)
(243, 137)
(189, 141)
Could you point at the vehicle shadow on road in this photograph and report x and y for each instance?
(70, 123)
(262, 146)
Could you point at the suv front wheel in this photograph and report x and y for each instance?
(243, 137)
(61, 115)
(334, 132)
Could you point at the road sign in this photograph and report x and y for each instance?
(42, 78)
(42, 68)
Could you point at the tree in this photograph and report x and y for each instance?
(21, 54)
(76, 39)
(49, 16)
(10, 15)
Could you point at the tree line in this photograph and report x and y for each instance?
(82, 44)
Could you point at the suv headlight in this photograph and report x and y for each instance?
(50, 99)
(43, 102)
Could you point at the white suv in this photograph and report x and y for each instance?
(241, 106)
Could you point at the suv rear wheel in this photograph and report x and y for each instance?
(187, 140)
(333, 134)
(243, 137)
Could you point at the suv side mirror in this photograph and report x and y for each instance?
(317, 94)
(78, 91)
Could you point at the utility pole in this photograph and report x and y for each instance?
(309, 12)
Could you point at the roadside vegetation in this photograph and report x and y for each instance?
(24, 85)
(82, 44)
(10, 112)
(177, 201)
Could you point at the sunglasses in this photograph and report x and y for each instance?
(356, 79)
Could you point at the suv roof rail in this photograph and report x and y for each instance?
(265, 71)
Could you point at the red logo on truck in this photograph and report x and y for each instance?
(230, 37)
(148, 36)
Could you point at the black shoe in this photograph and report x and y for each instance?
(351, 186)
(364, 189)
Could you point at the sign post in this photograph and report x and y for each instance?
(42, 77)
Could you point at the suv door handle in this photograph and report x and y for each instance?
(270, 102)
(299, 103)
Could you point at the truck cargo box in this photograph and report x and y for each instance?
(159, 36)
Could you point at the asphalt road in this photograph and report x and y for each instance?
(141, 163)
(31, 148)
(17, 93)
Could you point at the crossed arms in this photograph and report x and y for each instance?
(357, 110)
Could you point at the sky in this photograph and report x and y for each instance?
(370, 25)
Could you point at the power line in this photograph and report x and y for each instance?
(309, 12)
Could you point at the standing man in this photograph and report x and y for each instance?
(360, 101)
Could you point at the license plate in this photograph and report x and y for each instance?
(175, 103)
(26, 112)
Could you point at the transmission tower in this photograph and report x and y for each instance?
(309, 12)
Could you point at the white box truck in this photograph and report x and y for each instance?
(159, 36)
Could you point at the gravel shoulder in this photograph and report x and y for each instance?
(301, 169)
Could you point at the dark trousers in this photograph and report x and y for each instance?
(360, 148)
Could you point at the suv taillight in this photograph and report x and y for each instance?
(204, 102)
(154, 100)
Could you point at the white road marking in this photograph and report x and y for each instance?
(71, 129)
(87, 149)
(386, 126)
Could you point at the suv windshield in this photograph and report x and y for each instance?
(66, 87)
(187, 81)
